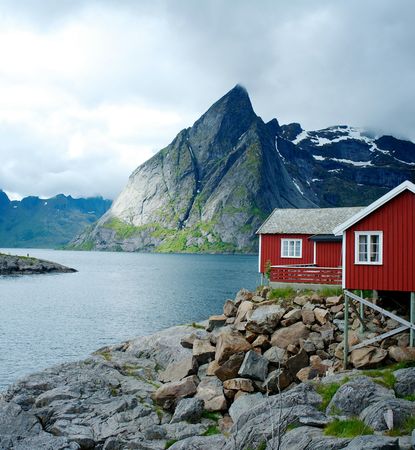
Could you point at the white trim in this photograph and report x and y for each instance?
(357, 234)
(344, 260)
(291, 240)
(373, 206)
(259, 253)
(315, 253)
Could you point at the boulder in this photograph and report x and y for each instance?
(176, 371)
(216, 322)
(188, 409)
(290, 335)
(229, 309)
(230, 368)
(261, 341)
(367, 357)
(301, 300)
(277, 381)
(373, 443)
(212, 367)
(276, 355)
(265, 319)
(405, 381)
(356, 395)
(308, 316)
(169, 394)
(229, 344)
(210, 390)
(321, 315)
(291, 317)
(297, 362)
(244, 311)
(309, 438)
(334, 301)
(199, 443)
(203, 351)
(243, 404)
(239, 384)
(243, 295)
(402, 354)
(187, 341)
(374, 414)
(254, 366)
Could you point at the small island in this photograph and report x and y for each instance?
(26, 265)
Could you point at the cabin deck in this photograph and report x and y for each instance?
(308, 274)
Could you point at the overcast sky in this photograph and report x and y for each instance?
(91, 89)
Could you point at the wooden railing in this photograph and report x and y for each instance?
(306, 274)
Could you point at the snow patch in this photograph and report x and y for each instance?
(276, 148)
(319, 158)
(298, 187)
(300, 137)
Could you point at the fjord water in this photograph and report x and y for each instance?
(49, 319)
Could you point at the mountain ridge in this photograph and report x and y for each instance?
(213, 185)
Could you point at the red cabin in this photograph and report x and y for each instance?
(298, 245)
(379, 243)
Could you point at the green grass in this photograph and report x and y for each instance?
(282, 293)
(410, 398)
(405, 429)
(384, 377)
(348, 428)
(327, 392)
(330, 291)
(169, 443)
(106, 355)
(212, 430)
(197, 326)
(211, 415)
(262, 446)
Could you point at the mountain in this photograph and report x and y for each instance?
(211, 188)
(46, 223)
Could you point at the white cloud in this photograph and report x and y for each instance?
(90, 89)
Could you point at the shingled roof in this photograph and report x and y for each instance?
(306, 221)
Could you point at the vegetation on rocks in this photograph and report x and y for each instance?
(347, 428)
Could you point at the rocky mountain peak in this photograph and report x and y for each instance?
(4, 200)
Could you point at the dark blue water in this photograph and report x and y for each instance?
(47, 319)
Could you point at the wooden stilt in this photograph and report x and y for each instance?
(346, 332)
(375, 297)
(362, 314)
(412, 320)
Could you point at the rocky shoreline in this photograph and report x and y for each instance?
(264, 375)
(26, 265)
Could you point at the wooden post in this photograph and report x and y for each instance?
(412, 320)
(375, 297)
(346, 331)
(362, 314)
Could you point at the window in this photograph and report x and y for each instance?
(368, 247)
(291, 248)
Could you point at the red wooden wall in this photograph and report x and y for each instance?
(271, 250)
(397, 273)
(329, 254)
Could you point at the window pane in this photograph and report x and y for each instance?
(284, 248)
(374, 248)
(363, 256)
(297, 248)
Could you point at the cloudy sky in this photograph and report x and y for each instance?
(91, 89)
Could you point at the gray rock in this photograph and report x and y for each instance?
(405, 381)
(277, 381)
(210, 390)
(265, 319)
(22, 265)
(297, 362)
(200, 443)
(189, 409)
(183, 430)
(244, 403)
(176, 371)
(373, 443)
(276, 355)
(373, 415)
(254, 366)
(230, 368)
(45, 441)
(310, 438)
(356, 395)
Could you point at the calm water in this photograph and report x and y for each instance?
(47, 319)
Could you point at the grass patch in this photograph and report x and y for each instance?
(282, 293)
(212, 430)
(211, 415)
(196, 325)
(411, 398)
(327, 392)
(106, 355)
(170, 442)
(384, 377)
(262, 446)
(348, 428)
(330, 291)
(405, 429)
(114, 392)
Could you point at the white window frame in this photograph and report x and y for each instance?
(357, 234)
(295, 241)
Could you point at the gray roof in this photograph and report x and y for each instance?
(307, 221)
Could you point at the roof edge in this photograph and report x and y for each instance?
(406, 185)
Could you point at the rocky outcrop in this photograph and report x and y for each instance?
(25, 265)
(235, 391)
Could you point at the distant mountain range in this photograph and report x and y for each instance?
(46, 223)
(210, 189)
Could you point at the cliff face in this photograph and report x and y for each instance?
(207, 191)
(212, 187)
